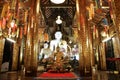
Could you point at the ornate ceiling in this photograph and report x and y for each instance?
(50, 12)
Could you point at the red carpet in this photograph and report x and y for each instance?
(64, 76)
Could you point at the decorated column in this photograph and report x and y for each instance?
(84, 38)
(115, 15)
(2, 42)
(31, 47)
(15, 56)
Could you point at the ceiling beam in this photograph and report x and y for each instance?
(60, 6)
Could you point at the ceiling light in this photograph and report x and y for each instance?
(103, 33)
(57, 1)
(58, 21)
(106, 39)
(11, 40)
(0, 32)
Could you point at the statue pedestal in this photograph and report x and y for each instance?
(31, 71)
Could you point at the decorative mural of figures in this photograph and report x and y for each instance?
(105, 3)
(75, 52)
(59, 42)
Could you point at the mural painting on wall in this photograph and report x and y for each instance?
(105, 3)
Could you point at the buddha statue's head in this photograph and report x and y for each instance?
(45, 45)
(58, 35)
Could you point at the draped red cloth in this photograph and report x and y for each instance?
(113, 59)
(67, 75)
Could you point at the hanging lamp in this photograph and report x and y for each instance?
(57, 1)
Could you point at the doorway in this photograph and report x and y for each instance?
(110, 55)
(7, 56)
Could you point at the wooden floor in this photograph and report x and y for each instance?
(99, 75)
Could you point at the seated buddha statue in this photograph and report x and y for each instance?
(45, 51)
(59, 42)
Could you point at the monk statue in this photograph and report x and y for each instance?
(59, 56)
(60, 64)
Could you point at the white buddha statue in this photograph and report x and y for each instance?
(75, 52)
(45, 51)
(58, 42)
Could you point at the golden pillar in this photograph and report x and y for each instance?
(15, 56)
(116, 15)
(31, 51)
(115, 12)
(31, 47)
(102, 56)
(85, 39)
(27, 54)
(2, 42)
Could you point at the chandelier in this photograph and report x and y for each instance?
(57, 1)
